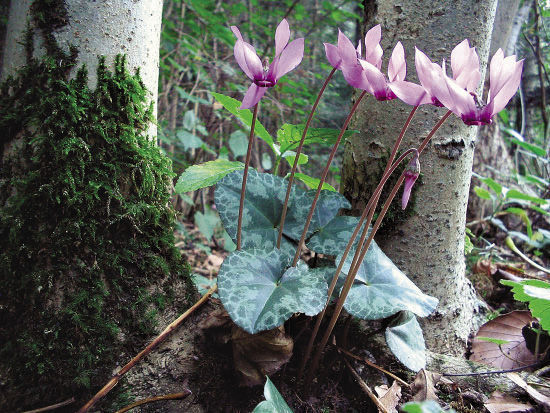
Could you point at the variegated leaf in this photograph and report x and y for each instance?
(381, 289)
(260, 292)
(405, 340)
(333, 238)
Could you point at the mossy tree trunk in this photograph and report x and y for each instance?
(87, 256)
(426, 243)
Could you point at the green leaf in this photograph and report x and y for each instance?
(203, 284)
(313, 183)
(228, 243)
(515, 194)
(245, 116)
(482, 192)
(260, 292)
(537, 150)
(289, 136)
(189, 120)
(537, 294)
(496, 341)
(333, 238)
(238, 143)
(523, 215)
(328, 205)
(405, 340)
(380, 289)
(207, 222)
(427, 406)
(188, 140)
(495, 186)
(205, 174)
(267, 163)
(468, 245)
(274, 402)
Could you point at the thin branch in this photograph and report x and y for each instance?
(52, 407)
(366, 388)
(160, 338)
(172, 396)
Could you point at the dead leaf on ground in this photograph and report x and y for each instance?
(533, 393)
(506, 356)
(213, 263)
(502, 403)
(389, 397)
(258, 355)
(423, 387)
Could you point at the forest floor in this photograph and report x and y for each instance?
(203, 356)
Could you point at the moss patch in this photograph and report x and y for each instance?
(87, 252)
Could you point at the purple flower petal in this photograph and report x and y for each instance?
(397, 67)
(239, 52)
(373, 50)
(355, 76)
(289, 58)
(500, 100)
(376, 80)
(282, 34)
(333, 55)
(347, 50)
(253, 62)
(410, 93)
(252, 96)
(237, 33)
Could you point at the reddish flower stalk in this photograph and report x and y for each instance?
(360, 255)
(323, 178)
(373, 200)
(245, 175)
(298, 152)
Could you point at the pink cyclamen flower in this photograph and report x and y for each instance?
(411, 175)
(287, 57)
(504, 77)
(465, 67)
(364, 72)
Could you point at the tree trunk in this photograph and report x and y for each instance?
(87, 256)
(428, 245)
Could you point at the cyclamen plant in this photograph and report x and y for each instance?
(264, 282)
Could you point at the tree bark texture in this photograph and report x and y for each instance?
(428, 245)
(98, 28)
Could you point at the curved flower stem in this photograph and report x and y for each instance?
(369, 209)
(373, 200)
(245, 175)
(323, 178)
(363, 248)
(297, 157)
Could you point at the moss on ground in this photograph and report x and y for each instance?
(87, 256)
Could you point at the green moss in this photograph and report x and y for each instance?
(87, 256)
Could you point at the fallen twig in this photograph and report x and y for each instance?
(510, 244)
(114, 380)
(371, 364)
(52, 407)
(173, 396)
(366, 388)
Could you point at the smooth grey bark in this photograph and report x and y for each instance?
(98, 28)
(428, 245)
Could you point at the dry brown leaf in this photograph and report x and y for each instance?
(258, 355)
(423, 387)
(389, 398)
(506, 356)
(502, 403)
(213, 263)
(534, 394)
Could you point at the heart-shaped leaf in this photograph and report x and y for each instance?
(328, 205)
(205, 174)
(333, 238)
(274, 402)
(405, 340)
(381, 289)
(265, 194)
(260, 292)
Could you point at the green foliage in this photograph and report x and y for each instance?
(86, 244)
(260, 290)
(274, 402)
(537, 294)
(206, 174)
(405, 340)
(428, 406)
